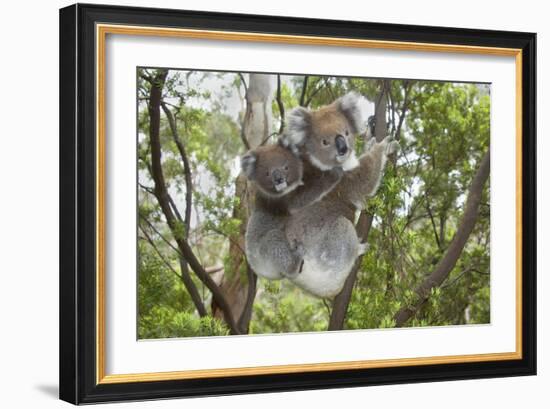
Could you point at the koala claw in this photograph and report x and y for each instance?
(297, 269)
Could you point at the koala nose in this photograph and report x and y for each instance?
(341, 145)
(277, 176)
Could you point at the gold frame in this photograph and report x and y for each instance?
(102, 30)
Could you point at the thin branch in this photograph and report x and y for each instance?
(152, 227)
(404, 108)
(316, 91)
(268, 137)
(462, 274)
(242, 133)
(188, 181)
(146, 77)
(147, 239)
(437, 240)
(213, 269)
(184, 277)
(280, 104)
(172, 105)
(392, 110)
(186, 168)
(243, 82)
(146, 188)
(231, 239)
(330, 90)
(243, 138)
(304, 89)
(177, 213)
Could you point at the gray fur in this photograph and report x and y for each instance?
(353, 107)
(248, 164)
(297, 127)
(269, 252)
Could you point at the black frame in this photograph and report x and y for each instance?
(77, 204)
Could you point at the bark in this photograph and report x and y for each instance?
(448, 262)
(163, 198)
(341, 301)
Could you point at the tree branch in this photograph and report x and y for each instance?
(244, 320)
(188, 181)
(241, 76)
(447, 263)
(186, 167)
(164, 239)
(316, 91)
(304, 89)
(405, 107)
(434, 227)
(280, 104)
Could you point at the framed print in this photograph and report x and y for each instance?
(258, 203)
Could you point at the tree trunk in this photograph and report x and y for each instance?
(239, 282)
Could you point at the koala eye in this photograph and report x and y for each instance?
(325, 142)
(347, 132)
(286, 167)
(267, 173)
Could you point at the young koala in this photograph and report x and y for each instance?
(326, 229)
(281, 188)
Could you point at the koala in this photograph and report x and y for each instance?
(325, 229)
(281, 188)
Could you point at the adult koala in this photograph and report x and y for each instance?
(326, 138)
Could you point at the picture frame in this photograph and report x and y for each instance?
(83, 180)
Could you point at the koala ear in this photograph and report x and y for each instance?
(248, 165)
(355, 109)
(297, 127)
